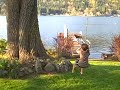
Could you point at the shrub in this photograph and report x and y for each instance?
(63, 45)
(3, 68)
(3, 44)
(116, 46)
(13, 69)
(9, 68)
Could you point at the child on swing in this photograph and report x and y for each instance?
(83, 61)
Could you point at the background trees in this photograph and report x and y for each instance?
(102, 7)
(2, 7)
(47, 7)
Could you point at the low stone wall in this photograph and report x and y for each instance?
(49, 66)
(38, 66)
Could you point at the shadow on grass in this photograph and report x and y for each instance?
(96, 77)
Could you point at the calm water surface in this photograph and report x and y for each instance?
(99, 30)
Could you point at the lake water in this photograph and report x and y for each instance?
(99, 30)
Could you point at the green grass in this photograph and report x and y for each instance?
(101, 75)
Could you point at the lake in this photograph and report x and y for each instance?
(99, 30)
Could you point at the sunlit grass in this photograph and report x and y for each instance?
(101, 75)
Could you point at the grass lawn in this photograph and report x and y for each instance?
(101, 75)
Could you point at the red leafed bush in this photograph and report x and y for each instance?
(63, 45)
(116, 45)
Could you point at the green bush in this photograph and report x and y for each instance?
(9, 68)
(3, 44)
(3, 68)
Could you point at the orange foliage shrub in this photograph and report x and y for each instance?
(116, 46)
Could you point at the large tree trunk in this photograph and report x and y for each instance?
(13, 27)
(37, 46)
(29, 41)
(25, 28)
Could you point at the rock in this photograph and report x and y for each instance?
(69, 64)
(21, 74)
(38, 66)
(57, 67)
(48, 60)
(50, 67)
(65, 66)
(26, 70)
(30, 70)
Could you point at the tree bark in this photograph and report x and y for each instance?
(38, 45)
(25, 30)
(13, 27)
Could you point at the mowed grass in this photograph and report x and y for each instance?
(101, 75)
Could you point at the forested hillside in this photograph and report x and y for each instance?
(75, 7)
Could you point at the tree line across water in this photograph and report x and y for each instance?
(74, 7)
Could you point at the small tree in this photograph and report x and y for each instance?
(116, 46)
(63, 45)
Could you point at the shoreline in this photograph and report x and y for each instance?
(76, 15)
